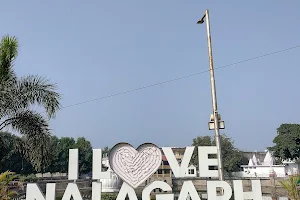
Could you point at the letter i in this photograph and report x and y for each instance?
(73, 164)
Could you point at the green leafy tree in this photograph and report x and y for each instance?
(287, 142)
(54, 147)
(199, 141)
(21, 150)
(105, 150)
(18, 95)
(38, 151)
(65, 143)
(231, 156)
(6, 145)
(13, 159)
(59, 155)
(85, 157)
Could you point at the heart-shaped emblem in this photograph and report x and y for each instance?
(135, 166)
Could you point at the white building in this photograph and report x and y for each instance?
(191, 171)
(291, 167)
(113, 184)
(267, 168)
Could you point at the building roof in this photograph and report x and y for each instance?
(255, 160)
(262, 166)
(260, 155)
(250, 162)
(268, 161)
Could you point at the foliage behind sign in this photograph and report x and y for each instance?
(287, 142)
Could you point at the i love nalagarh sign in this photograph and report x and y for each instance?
(135, 166)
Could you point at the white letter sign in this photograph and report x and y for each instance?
(205, 162)
(212, 190)
(158, 184)
(33, 192)
(96, 190)
(72, 191)
(136, 168)
(73, 164)
(97, 166)
(179, 171)
(240, 194)
(126, 190)
(188, 188)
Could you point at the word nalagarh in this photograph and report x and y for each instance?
(125, 161)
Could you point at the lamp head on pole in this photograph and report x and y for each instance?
(201, 21)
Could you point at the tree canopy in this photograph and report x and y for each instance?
(12, 158)
(287, 142)
(232, 157)
(18, 96)
(85, 156)
(18, 158)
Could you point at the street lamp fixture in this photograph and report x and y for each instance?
(211, 123)
(201, 21)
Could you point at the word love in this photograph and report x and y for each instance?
(123, 153)
(134, 166)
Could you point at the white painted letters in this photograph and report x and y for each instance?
(73, 164)
(240, 194)
(96, 190)
(72, 191)
(212, 190)
(157, 184)
(33, 192)
(205, 162)
(97, 166)
(126, 190)
(188, 188)
(179, 171)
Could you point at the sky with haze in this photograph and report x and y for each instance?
(95, 48)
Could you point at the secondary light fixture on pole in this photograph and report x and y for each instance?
(215, 119)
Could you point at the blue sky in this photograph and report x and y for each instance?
(95, 48)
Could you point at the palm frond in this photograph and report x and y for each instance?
(10, 100)
(35, 89)
(27, 122)
(12, 193)
(8, 53)
(4, 176)
(290, 185)
(37, 150)
(5, 191)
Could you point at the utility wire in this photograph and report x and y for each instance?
(178, 78)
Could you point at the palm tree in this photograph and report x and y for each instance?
(5, 192)
(19, 95)
(290, 185)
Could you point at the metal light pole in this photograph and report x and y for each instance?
(215, 118)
